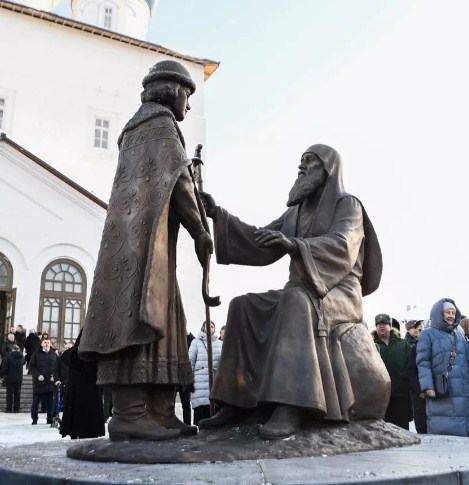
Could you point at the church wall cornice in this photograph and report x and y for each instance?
(209, 66)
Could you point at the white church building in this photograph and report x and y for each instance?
(67, 88)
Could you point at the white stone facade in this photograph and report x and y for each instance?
(44, 219)
(57, 81)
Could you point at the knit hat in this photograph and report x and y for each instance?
(448, 305)
(383, 318)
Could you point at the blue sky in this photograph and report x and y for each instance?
(383, 82)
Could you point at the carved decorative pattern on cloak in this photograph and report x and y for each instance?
(149, 157)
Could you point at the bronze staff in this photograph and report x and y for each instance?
(209, 301)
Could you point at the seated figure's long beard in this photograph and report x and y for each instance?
(303, 188)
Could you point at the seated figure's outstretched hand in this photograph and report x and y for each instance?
(266, 237)
(203, 247)
(209, 203)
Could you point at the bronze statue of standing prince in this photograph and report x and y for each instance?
(135, 325)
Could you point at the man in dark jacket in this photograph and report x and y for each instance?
(12, 369)
(42, 366)
(395, 353)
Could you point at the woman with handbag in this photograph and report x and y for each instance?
(442, 360)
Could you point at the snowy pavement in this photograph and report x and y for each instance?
(16, 429)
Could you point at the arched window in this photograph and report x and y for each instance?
(108, 17)
(6, 273)
(63, 293)
(7, 295)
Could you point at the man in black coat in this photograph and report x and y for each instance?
(42, 366)
(12, 369)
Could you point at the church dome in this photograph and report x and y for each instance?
(127, 17)
(152, 4)
(45, 5)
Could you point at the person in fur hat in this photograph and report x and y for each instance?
(395, 353)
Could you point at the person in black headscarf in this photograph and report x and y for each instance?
(32, 343)
(83, 415)
(276, 348)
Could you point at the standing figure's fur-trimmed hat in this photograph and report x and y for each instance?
(170, 71)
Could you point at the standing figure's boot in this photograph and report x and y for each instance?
(130, 420)
(160, 407)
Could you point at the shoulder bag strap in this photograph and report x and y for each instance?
(452, 355)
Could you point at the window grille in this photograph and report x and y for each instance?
(101, 133)
(63, 294)
(108, 18)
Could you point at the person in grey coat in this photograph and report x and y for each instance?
(449, 415)
(198, 356)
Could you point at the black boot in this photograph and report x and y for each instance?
(130, 420)
(160, 407)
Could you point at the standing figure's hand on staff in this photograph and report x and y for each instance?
(203, 247)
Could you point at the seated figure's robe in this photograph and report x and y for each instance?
(280, 346)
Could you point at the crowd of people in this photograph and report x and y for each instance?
(428, 369)
(64, 386)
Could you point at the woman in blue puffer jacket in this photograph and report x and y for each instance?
(448, 415)
(198, 356)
